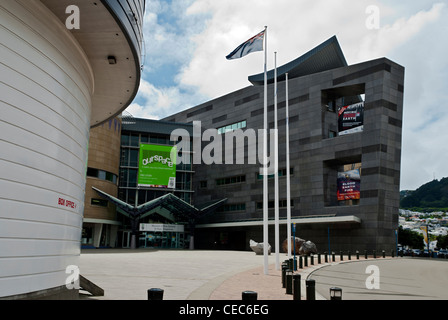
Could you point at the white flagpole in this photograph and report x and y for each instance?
(265, 159)
(277, 239)
(288, 178)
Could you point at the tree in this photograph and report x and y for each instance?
(442, 241)
(410, 238)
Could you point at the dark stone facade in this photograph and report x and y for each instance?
(315, 157)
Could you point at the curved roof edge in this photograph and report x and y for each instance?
(111, 34)
(326, 56)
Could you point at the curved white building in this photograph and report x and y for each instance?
(56, 82)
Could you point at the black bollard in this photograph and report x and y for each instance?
(365, 253)
(318, 259)
(312, 259)
(155, 294)
(334, 256)
(300, 262)
(306, 260)
(296, 285)
(342, 256)
(288, 282)
(326, 257)
(374, 254)
(310, 289)
(249, 295)
(384, 254)
(357, 255)
(349, 255)
(284, 268)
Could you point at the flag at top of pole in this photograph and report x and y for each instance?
(254, 44)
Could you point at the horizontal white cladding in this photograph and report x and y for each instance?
(41, 212)
(24, 229)
(46, 88)
(10, 267)
(35, 165)
(10, 286)
(16, 248)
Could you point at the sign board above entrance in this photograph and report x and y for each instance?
(162, 227)
(156, 167)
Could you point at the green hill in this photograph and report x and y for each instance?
(430, 196)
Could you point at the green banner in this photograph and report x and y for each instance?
(156, 167)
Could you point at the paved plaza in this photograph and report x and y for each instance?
(223, 275)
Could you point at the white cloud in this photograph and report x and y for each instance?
(156, 103)
(138, 111)
(378, 43)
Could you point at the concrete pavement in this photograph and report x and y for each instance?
(397, 279)
(223, 275)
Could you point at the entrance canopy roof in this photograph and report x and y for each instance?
(169, 206)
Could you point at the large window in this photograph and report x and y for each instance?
(233, 126)
(99, 202)
(232, 207)
(101, 174)
(230, 180)
(281, 173)
(281, 204)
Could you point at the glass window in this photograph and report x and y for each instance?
(231, 127)
(102, 174)
(92, 172)
(99, 202)
(125, 157)
(124, 139)
(134, 140)
(133, 159)
(124, 177)
(131, 196)
(132, 178)
(144, 138)
(141, 197)
(109, 176)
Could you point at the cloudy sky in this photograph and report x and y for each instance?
(187, 41)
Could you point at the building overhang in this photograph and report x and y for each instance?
(317, 220)
(101, 221)
(107, 29)
(325, 56)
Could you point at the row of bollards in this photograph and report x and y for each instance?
(290, 281)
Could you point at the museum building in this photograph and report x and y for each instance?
(345, 126)
(345, 129)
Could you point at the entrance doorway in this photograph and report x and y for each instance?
(162, 236)
(126, 240)
(163, 240)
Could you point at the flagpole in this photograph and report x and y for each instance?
(265, 153)
(277, 239)
(288, 178)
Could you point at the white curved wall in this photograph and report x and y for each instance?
(46, 85)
